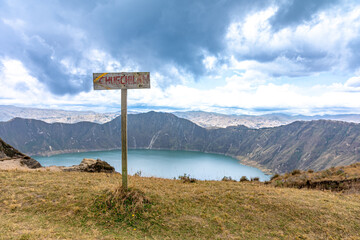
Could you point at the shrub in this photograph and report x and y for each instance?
(310, 171)
(279, 183)
(340, 172)
(274, 176)
(295, 172)
(187, 179)
(326, 173)
(244, 179)
(255, 179)
(226, 179)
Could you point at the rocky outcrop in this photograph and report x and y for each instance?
(10, 158)
(30, 162)
(8, 153)
(91, 165)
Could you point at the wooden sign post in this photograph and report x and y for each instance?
(123, 81)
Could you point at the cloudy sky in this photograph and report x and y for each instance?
(237, 57)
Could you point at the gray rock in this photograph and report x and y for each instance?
(7, 152)
(30, 162)
(91, 165)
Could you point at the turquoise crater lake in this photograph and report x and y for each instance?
(164, 164)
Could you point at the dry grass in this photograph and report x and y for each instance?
(58, 205)
(342, 178)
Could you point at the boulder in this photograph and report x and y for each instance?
(30, 162)
(91, 165)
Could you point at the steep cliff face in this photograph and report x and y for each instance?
(299, 145)
(164, 131)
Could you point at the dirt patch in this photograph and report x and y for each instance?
(13, 164)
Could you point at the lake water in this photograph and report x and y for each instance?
(164, 164)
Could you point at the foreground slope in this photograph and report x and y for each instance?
(53, 205)
(313, 145)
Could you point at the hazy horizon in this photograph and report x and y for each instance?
(135, 111)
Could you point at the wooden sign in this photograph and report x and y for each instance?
(121, 80)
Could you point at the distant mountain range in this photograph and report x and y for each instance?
(216, 120)
(51, 115)
(203, 119)
(301, 145)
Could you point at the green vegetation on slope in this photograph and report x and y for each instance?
(58, 205)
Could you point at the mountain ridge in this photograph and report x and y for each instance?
(311, 144)
(8, 112)
(201, 118)
(217, 120)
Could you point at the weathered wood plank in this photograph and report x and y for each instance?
(121, 80)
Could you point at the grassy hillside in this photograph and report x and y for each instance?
(58, 205)
(342, 178)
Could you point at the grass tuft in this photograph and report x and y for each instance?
(122, 205)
